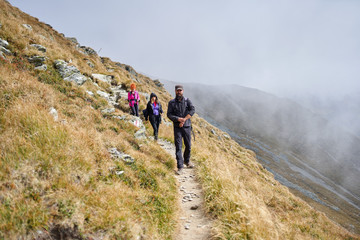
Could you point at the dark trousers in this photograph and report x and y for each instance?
(135, 110)
(155, 123)
(179, 135)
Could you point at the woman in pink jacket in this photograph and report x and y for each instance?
(134, 99)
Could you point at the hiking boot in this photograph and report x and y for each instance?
(189, 165)
(179, 171)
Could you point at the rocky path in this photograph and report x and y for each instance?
(193, 222)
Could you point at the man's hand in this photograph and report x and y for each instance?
(181, 124)
(181, 120)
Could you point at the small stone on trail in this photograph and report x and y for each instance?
(187, 226)
(194, 207)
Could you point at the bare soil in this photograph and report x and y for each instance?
(193, 223)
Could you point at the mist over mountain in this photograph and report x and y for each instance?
(303, 149)
(342, 111)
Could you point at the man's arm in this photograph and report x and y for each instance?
(170, 113)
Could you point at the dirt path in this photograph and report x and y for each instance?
(193, 223)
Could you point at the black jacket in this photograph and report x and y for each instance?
(180, 109)
(149, 107)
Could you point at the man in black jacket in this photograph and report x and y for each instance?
(180, 110)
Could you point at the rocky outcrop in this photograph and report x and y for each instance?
(104, 78)
(136, 121)
(118, 155)
(158, 83)
(3, 43)
(4, 48)
(87, 50)
(37, 61)
(69, 72)
(38, 47)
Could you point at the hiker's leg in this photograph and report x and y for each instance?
(157, 122)
(132, 110)
(153, 123)
(178, 146)
(187, 142)
(136, 107)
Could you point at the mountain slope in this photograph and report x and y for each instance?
(75, 166)
(292, 142)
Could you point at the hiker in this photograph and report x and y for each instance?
(134, 99)
(153, 113)
(180, 110)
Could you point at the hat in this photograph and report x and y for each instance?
(132, 86)
(179, 87)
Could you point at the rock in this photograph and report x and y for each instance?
(54, 113)
(108, 110)
(103, 94)
(120, 155)
(226, 136)
(127, 68)
(194, 207)
(119, 173)
(0, 25)
(103, 78)
(38, 47)
(4, 43)
(213, 132)
(90, 64)
(158, 83)
(187, 226)
(41, 68)
(27, 26)
(90, 93)
(37, 61)
(2, 55)
(5, 51)
(87, 50)
(73, 40)
(69, 73)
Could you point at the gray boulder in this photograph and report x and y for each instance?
(37, 61)
(90, 64)
(4, 43)
(38, 47)
(27, 26)
(41, 68)
(136, 121)
(158, 83)
(103, 78)
(69, 73)
(73, 40)
(5, 51)
(87, 50)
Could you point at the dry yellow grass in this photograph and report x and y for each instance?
(57, 172)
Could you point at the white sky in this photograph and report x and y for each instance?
(285, 47)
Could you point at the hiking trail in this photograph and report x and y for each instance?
(192, 222)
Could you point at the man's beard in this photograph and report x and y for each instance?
(179, 97)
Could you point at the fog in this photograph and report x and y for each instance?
(288, 48)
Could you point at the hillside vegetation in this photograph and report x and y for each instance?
(59, 178)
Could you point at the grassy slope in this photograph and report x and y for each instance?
(56, 176)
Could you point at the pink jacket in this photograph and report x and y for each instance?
(133, 98)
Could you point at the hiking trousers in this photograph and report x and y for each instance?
(179, 135)
(134, 110)
(155, 123)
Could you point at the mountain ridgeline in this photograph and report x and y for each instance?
(318, 160)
